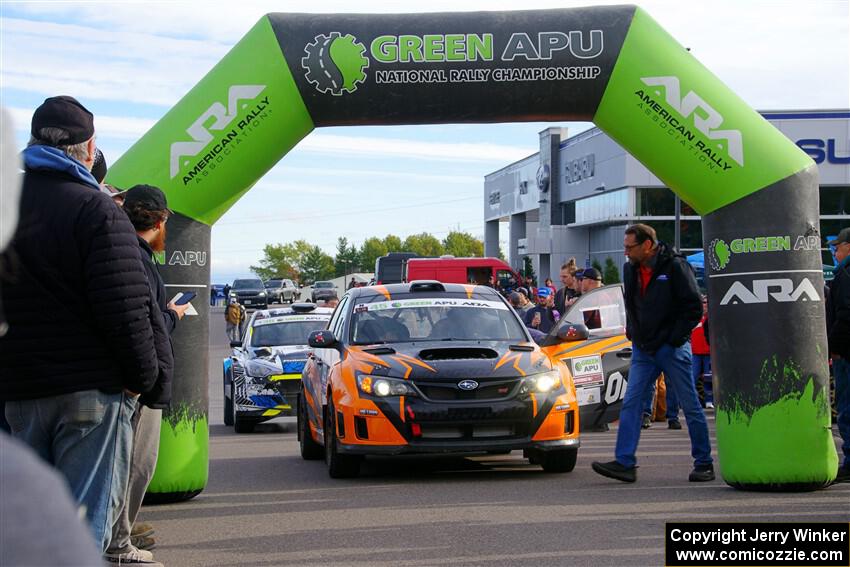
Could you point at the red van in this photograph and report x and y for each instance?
(461, 270)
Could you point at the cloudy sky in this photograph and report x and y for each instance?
(130, 62)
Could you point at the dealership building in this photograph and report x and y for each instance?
(576, 196)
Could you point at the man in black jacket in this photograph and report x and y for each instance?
(80, 347)
(838, 336)
(662, 307)
(147, 209)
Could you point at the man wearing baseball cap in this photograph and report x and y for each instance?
(147, 209)
(590, 279)
(80, 347)
(838, 338)
(543, 315)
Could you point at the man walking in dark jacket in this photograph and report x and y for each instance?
(662, 307)
(80, 347)
(838, 336)
(147, 209)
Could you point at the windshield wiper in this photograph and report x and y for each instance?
(523, 348)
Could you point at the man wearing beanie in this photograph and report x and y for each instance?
(147, 209)
(80, 347)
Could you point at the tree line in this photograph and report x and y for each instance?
(306, 263)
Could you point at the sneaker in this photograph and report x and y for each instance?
(143, 542)
(142, 529)
(616, 471)
(674, 424)
(843, 474)
(132, 557)
(647, 422)
(702, 473)
(709, 405)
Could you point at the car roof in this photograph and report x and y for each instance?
(426, 286)
(283, 312)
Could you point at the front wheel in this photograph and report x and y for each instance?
(310, 450)
(228, 405)
(339, 466)
(559, 460)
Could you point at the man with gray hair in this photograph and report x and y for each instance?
(80, 347)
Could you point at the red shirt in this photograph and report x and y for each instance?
(644, 275)
(698, 343)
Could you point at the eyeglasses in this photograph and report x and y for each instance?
(630, 246)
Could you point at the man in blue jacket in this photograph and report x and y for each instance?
(80, 346)
(663, 306)
(838, 336)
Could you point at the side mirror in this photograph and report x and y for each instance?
(573, 332)
(235, 344)
(322, 339)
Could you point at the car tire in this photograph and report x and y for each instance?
(310, 450)
(228, 405)
(533, 456)
(243, 425)
(339, 466)
(240, 425)
(559, 460)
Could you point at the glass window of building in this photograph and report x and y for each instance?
(603, 207)
(835, 200)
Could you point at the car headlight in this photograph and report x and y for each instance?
(257, 370)
(232, 294)
(541, 383)
(382, 387)
(262, 294)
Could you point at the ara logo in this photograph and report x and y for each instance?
(335, 63)
(781, 290)
(707, 120)
(199, 130)
(187, 258)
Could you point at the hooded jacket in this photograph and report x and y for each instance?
(77, 300)
(671, 306)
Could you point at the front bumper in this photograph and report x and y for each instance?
(478, 446)
(278, 397)
(409, 425)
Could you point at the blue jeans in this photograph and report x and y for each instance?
(87, 437)
(841, 369)
(645, 367)
(672, 413)
(702, 367)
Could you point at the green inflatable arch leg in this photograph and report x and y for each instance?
(614, 65)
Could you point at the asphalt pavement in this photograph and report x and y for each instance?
(263, 505)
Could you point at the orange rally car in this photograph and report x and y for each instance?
(428, 367)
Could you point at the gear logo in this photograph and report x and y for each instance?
(335, 63)
(719, 254)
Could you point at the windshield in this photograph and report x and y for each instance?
(434, 319)
(273, 283)
(323, 284)
(283, 332)
(602, 310)
(247, 284)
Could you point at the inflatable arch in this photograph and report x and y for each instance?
(613, 65)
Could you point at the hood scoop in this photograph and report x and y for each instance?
(463, 353)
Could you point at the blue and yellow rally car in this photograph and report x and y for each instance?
(262, 376)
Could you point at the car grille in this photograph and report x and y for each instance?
(449, 391)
